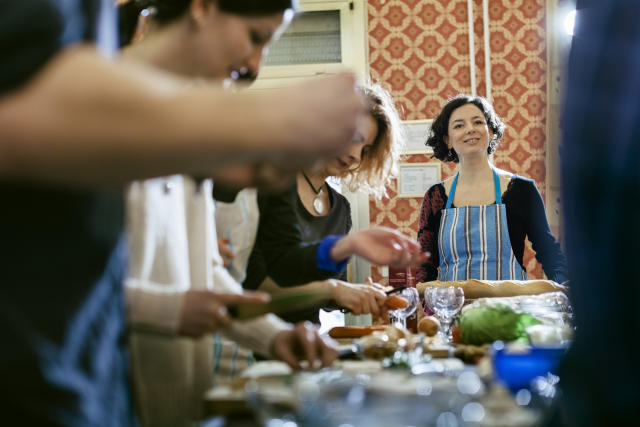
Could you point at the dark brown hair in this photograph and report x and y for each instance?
(440, 126)
(166, 11)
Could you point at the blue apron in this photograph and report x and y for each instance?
(474, 241)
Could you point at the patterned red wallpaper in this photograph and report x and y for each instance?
(419, 51)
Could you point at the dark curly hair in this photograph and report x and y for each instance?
(440, 126)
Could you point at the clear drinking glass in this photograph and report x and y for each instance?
(445, 302)
(412, 296)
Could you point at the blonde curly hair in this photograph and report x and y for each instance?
(379, 163)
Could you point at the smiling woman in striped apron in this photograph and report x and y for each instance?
(474, 224)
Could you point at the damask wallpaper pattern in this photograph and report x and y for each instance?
(419, 50)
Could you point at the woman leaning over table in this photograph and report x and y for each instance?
(177, 287)
(474, 224)
(293, 221)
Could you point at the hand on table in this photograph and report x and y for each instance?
(205, 311)
(303, 343)
(381, 246)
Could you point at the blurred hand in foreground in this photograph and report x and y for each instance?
(205, 311)
(381, 246)
(302, 343)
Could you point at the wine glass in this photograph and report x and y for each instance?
(445, 303)
(401, 314)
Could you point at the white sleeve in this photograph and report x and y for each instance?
(238, 222)
(257, 334)
(153, 305)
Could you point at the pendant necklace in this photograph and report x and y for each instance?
(318, 204)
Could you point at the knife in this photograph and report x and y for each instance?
(394, 290)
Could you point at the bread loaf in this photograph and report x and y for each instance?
(474, 288)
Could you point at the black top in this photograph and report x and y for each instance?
(288, 238)
(336, 221)
(525, 218)
(61, 300)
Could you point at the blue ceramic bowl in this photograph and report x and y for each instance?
(518, 369)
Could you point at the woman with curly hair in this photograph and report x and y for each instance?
(474, 224)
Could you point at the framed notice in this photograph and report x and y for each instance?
(415, 178)
(416, 133)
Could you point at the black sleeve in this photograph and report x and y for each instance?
(547, 249)
(349, 225)
(30, 35)
(285, 257)
(256, 270)
(428, 230)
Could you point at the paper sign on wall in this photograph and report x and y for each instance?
(415, 178)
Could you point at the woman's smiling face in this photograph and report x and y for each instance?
(468, 132)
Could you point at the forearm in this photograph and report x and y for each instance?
(298, 266)
(257, 334)
(327, 287)
(547, 248)
(553, 261)
(327, 291)
(86, 121)
(343, 249)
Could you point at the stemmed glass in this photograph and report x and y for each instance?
(401, 314)
(445, 303)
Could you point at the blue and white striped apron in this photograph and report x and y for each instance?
(474, 241)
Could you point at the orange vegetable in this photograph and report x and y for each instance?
(456, 337)
(395, 302)
(354, 331)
